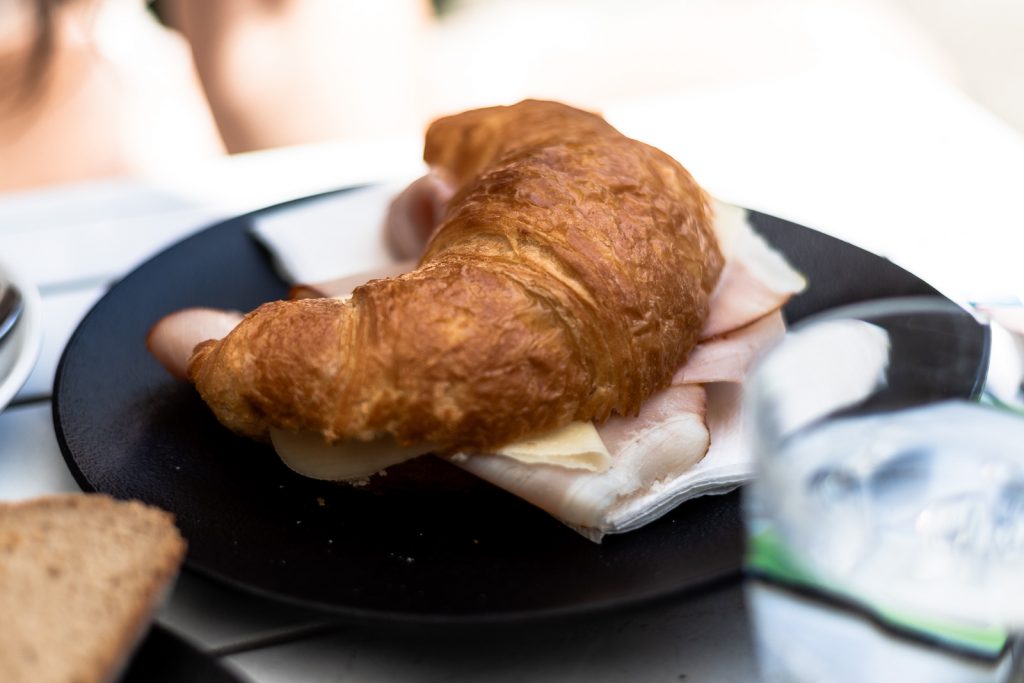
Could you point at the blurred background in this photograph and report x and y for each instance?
(108, 88)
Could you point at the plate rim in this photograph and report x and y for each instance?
(359, 615)
(183, 647)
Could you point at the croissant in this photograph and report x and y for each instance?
(568, 280)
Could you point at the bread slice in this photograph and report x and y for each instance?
(80, 576)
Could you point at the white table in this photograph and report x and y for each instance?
(899, 164)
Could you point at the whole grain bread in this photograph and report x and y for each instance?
(80, 576)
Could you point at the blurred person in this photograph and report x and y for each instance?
(93, 88)
(599, 53)
(100, 88)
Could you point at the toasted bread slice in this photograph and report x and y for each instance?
(80, 576)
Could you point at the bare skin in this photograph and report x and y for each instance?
(122, 95)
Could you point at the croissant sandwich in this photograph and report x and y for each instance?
(569, 280)
(566, 275)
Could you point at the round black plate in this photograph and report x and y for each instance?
(127, 429)
(165, 658)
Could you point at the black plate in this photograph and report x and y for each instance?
(127, 429)
(165, 658)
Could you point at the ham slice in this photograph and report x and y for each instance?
(667, 438)
(668, 419)
(726, 465)
(172, 339)
(756, 279)
(415, 213)
(678, 456)
(583, 499)
(728, 358)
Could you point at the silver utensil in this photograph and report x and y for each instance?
(11, 305)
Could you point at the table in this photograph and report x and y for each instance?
(900, 164)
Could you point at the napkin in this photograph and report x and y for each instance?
(336, 235)
(340, 235)
(728, 464)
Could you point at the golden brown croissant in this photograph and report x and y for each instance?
(569, 279)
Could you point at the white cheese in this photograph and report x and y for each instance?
(308, 454)
(576, 446)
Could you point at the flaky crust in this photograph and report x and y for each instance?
(569, 279)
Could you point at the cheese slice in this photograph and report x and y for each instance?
(576, 446)
(355, 461)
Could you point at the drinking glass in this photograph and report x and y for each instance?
(886, 519)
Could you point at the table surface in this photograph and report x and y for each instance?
(901, 164)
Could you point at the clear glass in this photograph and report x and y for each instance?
(889, 496)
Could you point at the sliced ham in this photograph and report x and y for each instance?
(739, 299)
(415, 213)
(726, 465)
(653, 438)
(172, 339)
(686, 442)
(670, 443)
(728, 358)
(756, 279)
